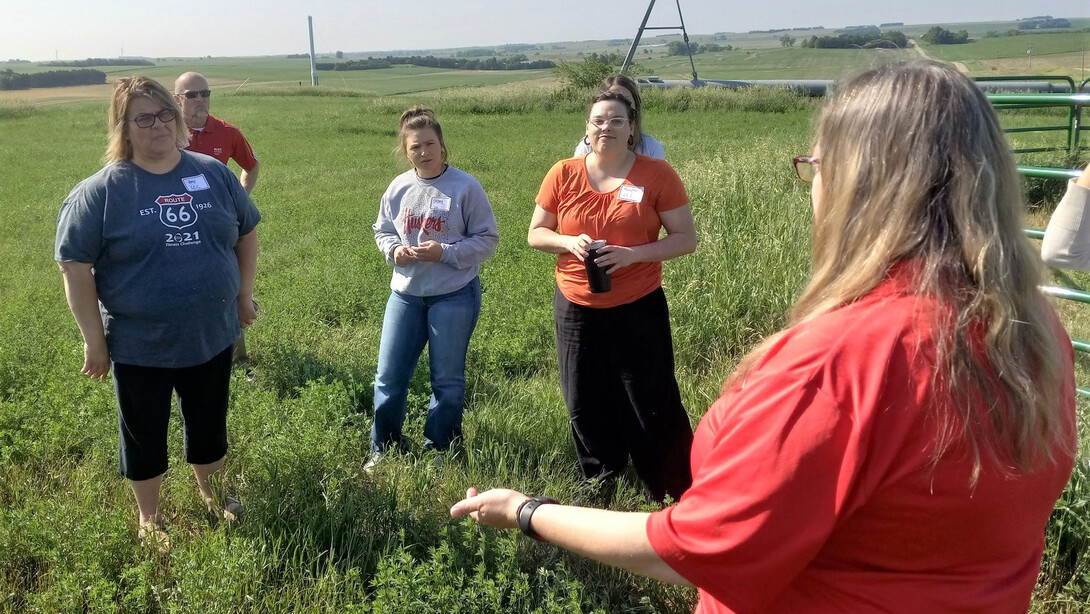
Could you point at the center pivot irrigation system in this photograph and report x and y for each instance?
(812, 87)
(644, 26)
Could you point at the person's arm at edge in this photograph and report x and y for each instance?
(82, 296)
(614, 538)
(248, 178)
(655, 149)
(544, 237)
(680, 239)
(246, 253)
(1065, 244)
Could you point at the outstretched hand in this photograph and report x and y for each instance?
(495, 508)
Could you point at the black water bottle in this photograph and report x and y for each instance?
(597, 277)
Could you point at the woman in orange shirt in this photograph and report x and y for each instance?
(614, 346)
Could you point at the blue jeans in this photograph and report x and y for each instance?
(444, 322)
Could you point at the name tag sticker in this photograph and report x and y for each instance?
(440, 203)
(631, 193)
(196, 182)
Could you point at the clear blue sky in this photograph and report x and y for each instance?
(76, 29)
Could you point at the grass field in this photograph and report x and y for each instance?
(320, 535)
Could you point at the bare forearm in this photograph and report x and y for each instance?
(670, 246)
(82, 297)
(548, 241)
(1066, 243)
(613, 538)
(246, 253)
(249, 178)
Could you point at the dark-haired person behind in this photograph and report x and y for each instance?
(435, 227)
(899, 447)
(158, 251)
(615, 348)
(624, 86)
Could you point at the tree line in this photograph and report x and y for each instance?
(845, 41)
(942, 36)
(1043, 22)
(101, 62)
(11, 80)
(512, 62)
(679, 48)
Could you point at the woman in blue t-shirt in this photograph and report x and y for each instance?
(158, 251)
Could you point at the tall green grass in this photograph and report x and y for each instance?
(320, 534)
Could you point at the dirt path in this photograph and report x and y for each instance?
(958, 65)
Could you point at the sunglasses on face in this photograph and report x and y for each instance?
(147, 120)
(806, 167)
(191, 94)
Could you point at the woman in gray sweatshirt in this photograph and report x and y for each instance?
(435, 226)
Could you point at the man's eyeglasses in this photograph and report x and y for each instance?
(806, 167)
(191, 94)
(147, 120)
(613, 122)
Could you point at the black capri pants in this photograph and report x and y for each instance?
(143, 411)
(617, 373)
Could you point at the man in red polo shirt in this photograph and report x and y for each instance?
(211, 136)
(219, 139)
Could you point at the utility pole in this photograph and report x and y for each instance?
(313, 67)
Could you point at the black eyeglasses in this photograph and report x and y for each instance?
(806, 167)
(191, 94)
(147, 120)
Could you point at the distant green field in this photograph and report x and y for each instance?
(774, 63)
(284, 72)
(263, 68)
(1045, 43)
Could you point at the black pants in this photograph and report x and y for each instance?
(143, 409)
(617, 373)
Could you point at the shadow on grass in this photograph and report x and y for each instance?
(287, 370)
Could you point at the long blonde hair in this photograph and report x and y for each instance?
(118, 146)
(914, 166)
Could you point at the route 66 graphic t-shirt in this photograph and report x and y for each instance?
(162, 247)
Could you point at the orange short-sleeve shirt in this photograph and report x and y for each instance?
(627, 216)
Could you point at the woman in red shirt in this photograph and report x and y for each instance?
(900, 446)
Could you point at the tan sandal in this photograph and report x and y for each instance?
(231, 509)
(154, 535)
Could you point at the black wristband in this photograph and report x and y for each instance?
(526, 512)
